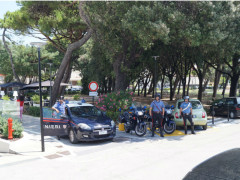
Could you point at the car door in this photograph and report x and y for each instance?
(53, 123)
(220, 107)
(229, 102)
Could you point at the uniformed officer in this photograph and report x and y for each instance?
(186, 112)
(60, 106)
(157, 109)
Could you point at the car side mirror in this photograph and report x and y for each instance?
(220, 104)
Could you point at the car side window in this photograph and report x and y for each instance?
(230, 101)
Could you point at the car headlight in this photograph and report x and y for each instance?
(112, 123)
(140, 113)
(84, 126)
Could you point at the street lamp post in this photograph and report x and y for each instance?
(39, 44)
(155, 72)
(50, 84)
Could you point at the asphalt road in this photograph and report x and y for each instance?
(131, 157)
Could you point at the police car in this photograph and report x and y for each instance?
(82, 122)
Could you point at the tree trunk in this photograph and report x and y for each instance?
(109, 84)
(235, 76)
(121, 82)
(216, 82)
(179, 86)
(225, 86)
(189, 79)
(139, 87)
(66, 78)
(171, 88)
(205, 85)
(234, 84)
(10, 55)
(200, 90)
(175, 87)
(162, 83)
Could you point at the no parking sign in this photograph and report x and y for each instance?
(93, 87)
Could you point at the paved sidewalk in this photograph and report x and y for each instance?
(28, 148)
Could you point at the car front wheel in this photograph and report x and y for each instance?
(72, 137)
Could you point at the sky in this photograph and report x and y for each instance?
(11, 6)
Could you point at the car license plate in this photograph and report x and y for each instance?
(102, 132)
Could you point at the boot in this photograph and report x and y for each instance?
(192, 129)
(161, 132)
(185, 129)
(153, 129)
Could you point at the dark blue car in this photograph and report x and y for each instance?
(83, 122)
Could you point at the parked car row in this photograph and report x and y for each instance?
(85, 122)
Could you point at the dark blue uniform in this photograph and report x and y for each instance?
(157, 109)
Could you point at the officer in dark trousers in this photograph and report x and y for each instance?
(186, 112)
(157, 109)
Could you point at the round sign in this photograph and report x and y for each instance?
(93, 86)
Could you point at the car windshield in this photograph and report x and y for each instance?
(85, 111)
(195, 104)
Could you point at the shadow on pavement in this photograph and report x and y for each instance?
(222, 166)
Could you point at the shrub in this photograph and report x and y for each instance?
(6, 98)
(17, 126)
(76, 97)
(36, 98)
(112, 102)
(34, 111)
(3, 121)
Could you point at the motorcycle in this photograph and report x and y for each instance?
(169, 125)
(134, 119)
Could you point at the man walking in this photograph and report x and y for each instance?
(157, 109)
(186, 112)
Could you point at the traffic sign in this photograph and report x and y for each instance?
(93, 94)
(93, 86)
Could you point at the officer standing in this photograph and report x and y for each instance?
(156, 111)
(60, 106)
(186, 112)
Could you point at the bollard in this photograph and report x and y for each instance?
(212, 115)
(10, 130)
(228, 112)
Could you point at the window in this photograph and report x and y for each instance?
(195, 104)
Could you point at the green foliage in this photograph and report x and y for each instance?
(17, 126)
(34, 111)
(112, 102)
(3, 121)
(76, 97)
(6, 98)
(36, 98)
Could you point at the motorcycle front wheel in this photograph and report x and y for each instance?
(140, 129)
(169, 129)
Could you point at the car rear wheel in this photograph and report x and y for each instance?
(204, 127)
(72, 137)
(232, 115)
